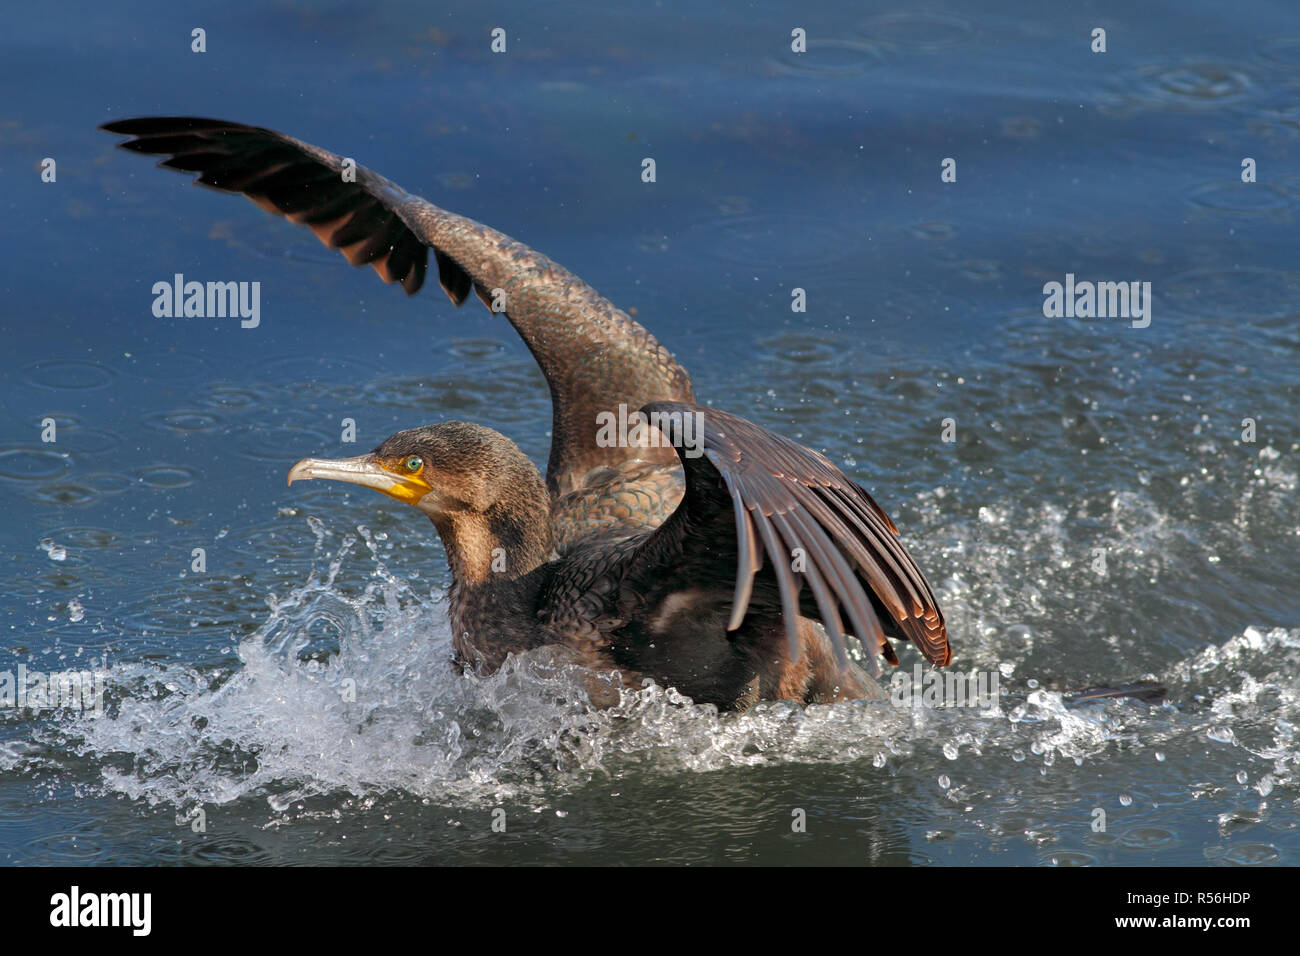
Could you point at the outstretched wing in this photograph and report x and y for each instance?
(777, 515)
(595, 356)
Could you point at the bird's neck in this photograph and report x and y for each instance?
(495, 558)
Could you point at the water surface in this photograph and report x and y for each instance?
(774, 171)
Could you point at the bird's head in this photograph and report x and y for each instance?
(444, 470)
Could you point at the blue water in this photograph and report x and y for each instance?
(774, 171)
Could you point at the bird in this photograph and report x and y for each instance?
(668, 541)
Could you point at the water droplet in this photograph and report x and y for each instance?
(56, 552)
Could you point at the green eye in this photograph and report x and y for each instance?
(414, 463)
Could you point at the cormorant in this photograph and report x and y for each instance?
(680, 554)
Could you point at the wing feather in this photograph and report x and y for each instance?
(779, 496)
(595, 356)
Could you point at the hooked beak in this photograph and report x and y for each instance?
(366, 470)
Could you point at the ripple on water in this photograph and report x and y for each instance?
(1178, 87)
(801, 349)
(105, 483)
(25, 462)
(85, 537)
(920, 32)
(1201, 81)
(791, 241)
(165, 477)
(65, 849)
(476, 395)
(1251, 292)
(476, 350)
(1242, 198)
(179, 606)
(1252, 854)
(71, 493)
(282, 443)
(286, 543)
(71, 374)
(91, 441)
(1147, 838)
(828, 57)
(228, 851)
(184, 422)
(231, 396)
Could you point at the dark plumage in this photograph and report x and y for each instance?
(703, 562)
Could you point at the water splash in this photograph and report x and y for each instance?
(348, 691)
(355, 694)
